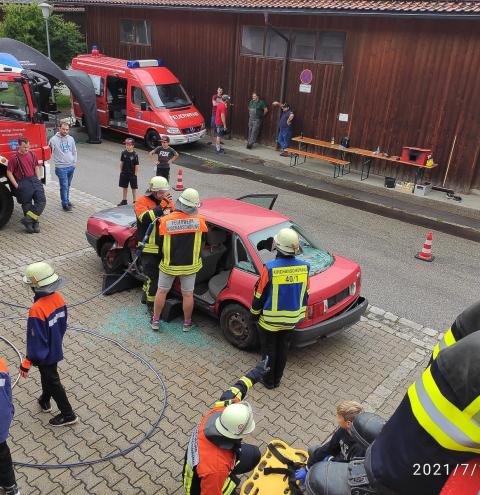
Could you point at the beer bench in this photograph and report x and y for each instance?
(338, 165)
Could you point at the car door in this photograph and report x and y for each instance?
(264, 200)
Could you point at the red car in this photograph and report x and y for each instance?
(237, 245)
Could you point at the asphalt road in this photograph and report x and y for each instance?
(431, 294)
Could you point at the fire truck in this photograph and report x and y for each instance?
(22, 93)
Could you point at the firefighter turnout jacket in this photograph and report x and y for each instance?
(435, 429)
(147, 209)
(181, 243)
(46, 326)
(207, 467)
(281, 293)
(466, 323)
(6, 403)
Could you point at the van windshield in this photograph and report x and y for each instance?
(168, 96)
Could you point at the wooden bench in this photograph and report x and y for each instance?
(338, 165)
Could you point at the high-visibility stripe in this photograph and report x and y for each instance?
(229, 486)
(287, 313)
(274, 328)
(32, 215)
(447, 341)
(187, 478)
(167, 241)
(473, 410)
(247, 382)
(255, 311)
(274, 297)
(442, 420)
(151, 249)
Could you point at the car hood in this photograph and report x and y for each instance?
(123, 216)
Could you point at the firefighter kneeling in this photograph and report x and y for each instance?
(215, 454)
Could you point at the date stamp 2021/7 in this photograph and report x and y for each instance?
(428, 469)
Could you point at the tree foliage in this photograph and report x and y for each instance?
(25, 23)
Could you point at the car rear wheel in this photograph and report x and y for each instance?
(236, 327)
(111, 261)
(152, 139)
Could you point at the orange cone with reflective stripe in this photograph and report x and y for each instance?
(426, 253)
(179, 186)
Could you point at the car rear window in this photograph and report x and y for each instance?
(318, 258)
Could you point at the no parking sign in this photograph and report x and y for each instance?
(306, 77)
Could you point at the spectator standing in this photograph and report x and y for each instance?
(129, 165)
(23, 171)
(8, 483)
(166, 155)
(221, 122)
(284, 126)
(257, 109)
(64, 155)
(216, 99)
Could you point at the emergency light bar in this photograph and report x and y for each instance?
(137, 64)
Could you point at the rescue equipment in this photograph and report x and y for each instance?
(179, 186)
(275, 473)
(426, 253)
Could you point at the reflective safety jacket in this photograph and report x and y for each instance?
(207, 467)
(467, 322)
(281, 293)
(46, 326)
(181, 242)
(6, 403)
(435, 429)
(144, 211)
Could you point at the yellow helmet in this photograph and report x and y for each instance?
(158, 183)
(39, 275)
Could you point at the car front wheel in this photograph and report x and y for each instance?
(111, 260)
(237, 328)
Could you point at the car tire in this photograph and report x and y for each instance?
(110, 265)
(237, 328)
(6, 204)
(152, 139)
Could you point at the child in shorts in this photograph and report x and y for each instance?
(129, 165)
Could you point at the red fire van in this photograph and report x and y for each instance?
(140, 98)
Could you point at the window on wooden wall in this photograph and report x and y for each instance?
(135, 31)
(252, 40)
(319, 46)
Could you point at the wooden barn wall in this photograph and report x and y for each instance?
(403, 82)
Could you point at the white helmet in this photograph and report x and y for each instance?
(236, 421)
(190, 198)
(159, 183)
(286, 241)
(39, 275)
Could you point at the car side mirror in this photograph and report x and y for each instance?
(143, 106)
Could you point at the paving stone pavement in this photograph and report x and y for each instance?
(117, 397)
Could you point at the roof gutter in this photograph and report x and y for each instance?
(270, 11)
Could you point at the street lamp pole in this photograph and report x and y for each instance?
(48, 39)
(46, 10)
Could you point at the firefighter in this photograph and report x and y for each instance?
(156, 202)
(466, 323)
(215, 453)
(435, 428)
(181, 241)
(8, 483)
(46, 327)
(280, 302)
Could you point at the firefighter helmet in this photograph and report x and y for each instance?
(286, 241)
(159, 183)
(236, 421)
(190, 198)
(39, 275)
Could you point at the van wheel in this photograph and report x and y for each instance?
(6, 204)
(236, 327)
(152, 139)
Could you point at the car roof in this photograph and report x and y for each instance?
(239, 216)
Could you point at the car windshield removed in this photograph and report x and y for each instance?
(168, 96)
(262, 241)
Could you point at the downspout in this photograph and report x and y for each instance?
(283, 86)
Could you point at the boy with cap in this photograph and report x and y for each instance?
(129, 165)
(8, 483)
(46, 326)
(165, 157)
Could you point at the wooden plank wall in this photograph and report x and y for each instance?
(403, 82)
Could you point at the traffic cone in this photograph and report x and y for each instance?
(179, 185)
(426, 253)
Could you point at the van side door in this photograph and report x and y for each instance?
(139, 112)
(101, 98)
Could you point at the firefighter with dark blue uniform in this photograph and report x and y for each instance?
(280, 303)
(434, 432)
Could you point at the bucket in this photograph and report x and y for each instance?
(390, 182)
